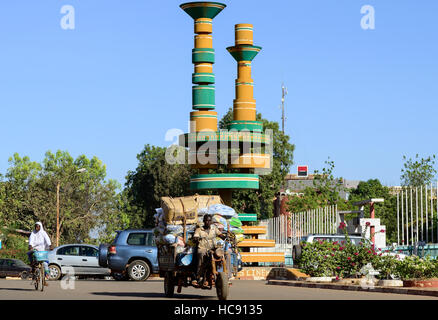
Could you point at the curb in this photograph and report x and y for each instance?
(412, 291)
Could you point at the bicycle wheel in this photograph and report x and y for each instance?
(42, 277)
(36, 278)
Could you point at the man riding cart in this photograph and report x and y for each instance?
(205, 237)
(209, 264)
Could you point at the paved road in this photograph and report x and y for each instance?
(153, 289)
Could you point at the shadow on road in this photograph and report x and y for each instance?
(150, 295)
(17, 289)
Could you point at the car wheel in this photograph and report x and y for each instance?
(55, 272)
(25, 275)
(138, 270)
(296, 254)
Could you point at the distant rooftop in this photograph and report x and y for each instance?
(295, 184)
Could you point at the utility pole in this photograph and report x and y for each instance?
(57, 212)
(283, 94)
(58, 185)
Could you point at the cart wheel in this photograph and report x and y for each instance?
(169, 285)
(221, 284)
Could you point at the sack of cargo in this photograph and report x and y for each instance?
(174, 229)
(222, 210)
(240, 238)
(190, 209)
(158, 216)
(204, 201)
(180, 242)
(235, 222)
(175, 209)
(172, 208)
(236, 230)
(202, 211)
(170, 238)
(217, 218)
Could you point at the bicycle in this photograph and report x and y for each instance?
(38, 272)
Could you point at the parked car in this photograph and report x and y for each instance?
(82, 257)
(296, 249)
(14, 268)
(132, 255)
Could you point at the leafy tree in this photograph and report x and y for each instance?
(386, 211)
(261, 201)
(87, 200)
(153, 178)
(419, 172)
(2, 197)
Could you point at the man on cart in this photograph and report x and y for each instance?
(205, 237)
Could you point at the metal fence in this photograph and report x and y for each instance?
(288, 229)
(417, 214)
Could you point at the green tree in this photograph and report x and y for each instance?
(386, 211)
(262, 200)
(153, 178)
(2, 198)
(87, 200)
(419, 172)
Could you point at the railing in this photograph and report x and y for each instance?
(417, 213)
(421, 251)
(288, 229)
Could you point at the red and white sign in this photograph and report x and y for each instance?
(302, 171)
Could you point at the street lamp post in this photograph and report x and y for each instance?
(58, 185)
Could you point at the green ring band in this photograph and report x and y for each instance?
(224, 181)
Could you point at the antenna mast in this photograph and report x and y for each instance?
(283, 94)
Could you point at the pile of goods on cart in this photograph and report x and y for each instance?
(178, 218)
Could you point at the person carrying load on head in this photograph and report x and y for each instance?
(205, 237)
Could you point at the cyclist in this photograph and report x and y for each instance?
(39, 241)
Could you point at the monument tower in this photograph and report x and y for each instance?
(244, 130)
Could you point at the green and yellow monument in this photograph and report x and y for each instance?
(241, 146)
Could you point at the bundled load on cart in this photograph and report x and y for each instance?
(179, 236)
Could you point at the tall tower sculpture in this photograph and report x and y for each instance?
(244, 105)
(204, 118)
(203, 128)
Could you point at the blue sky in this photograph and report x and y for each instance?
(122, 78)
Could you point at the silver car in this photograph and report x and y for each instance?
(82, 259)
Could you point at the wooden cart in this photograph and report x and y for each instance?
(219, 269)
